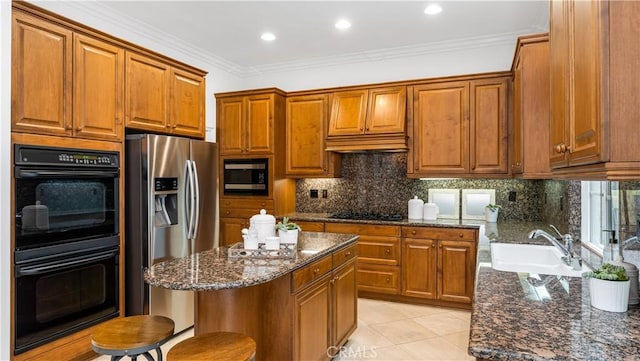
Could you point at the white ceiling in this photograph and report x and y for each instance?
(230, 30)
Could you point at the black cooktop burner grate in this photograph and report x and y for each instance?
(367, 216)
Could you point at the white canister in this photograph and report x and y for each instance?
(265, 224)
(430, 212)
(415, 208)
(272, 243)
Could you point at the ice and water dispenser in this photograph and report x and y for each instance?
(166, 201)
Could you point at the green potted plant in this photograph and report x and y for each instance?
(491, 212)
(288, 231)
(609, 288)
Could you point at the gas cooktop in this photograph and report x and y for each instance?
(367, 216)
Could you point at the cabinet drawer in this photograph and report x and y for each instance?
(439, 233)
(378, 278)
(247, 203)
(242, 212)
(307, 274)
(380, 250)
(363, 229)
(343, 255)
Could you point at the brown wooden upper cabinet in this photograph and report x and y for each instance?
(306, 138)
(246, 122)
(65, 83)
(594, 79)
(459, 128)
(530, 121)
(376, 116)
(162, 98)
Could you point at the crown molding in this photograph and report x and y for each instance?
(447, 46)
(158, 38)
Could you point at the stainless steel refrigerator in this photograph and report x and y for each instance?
(171, 211)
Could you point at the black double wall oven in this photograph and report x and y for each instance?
(66, 242)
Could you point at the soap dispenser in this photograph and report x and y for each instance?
(631, 269)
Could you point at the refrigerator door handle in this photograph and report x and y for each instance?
(196, 203)
(191, 202)
(187, 197)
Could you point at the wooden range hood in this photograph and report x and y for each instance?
(363, 143)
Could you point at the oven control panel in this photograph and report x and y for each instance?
(62, 156)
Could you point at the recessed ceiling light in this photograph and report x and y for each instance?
(343, 24)
(433, 9)
(268, 37)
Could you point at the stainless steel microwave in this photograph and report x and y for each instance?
(246, 177)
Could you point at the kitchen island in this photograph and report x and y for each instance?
(297, 307)
(514, 320)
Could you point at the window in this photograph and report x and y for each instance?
(599, 212)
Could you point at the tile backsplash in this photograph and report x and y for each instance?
(377, 182)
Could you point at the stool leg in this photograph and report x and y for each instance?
(116, 358)
(159, 351)
(147, 355)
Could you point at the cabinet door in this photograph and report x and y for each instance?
(585, 123)
(230, 121)
(386, 110)
(146, 93)
(345, 310)
(259, 127)
(559, 51)
(348, 113)
(441, 132)
(41, 76)
(231, 230)
(312, 322)
(419, 268)
(516, 127)
(456, 270)
(306, 135)
(531, 102)
(187, 104)
(98, 90)
(488, 133)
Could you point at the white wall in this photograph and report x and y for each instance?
(5, 166)
(455, 62)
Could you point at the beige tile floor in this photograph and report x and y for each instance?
(394, 331)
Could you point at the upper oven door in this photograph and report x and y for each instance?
(56, 205)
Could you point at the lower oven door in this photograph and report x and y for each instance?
(58, 296)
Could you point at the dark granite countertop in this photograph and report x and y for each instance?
(513, 320)
(214, 270)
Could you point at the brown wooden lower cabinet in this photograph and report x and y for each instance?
(439, 264)
(378, 256)
(326, 314)
(304, 315)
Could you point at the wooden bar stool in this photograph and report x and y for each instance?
(132, 336)
(218, 346)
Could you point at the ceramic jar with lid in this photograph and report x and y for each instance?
(265, 224)
(415, 208)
